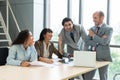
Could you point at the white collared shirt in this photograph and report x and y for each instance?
(100, 25)
(46, 50)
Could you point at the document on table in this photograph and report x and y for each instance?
(39, 63)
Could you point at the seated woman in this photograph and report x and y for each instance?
(45, 48)
(22, 51)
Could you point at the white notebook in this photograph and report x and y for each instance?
(84, 58)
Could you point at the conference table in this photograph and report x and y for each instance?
(57, 71)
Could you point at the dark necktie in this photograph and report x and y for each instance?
(72, 36)
(98, 28)
(94, 48)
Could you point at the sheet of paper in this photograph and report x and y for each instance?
(39, 63)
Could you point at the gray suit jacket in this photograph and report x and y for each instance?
(102, 45)
(79, 36)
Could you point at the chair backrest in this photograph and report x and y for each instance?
(116, 76)
(3, 55)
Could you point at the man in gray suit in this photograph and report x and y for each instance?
(98, 40)
(72, 35)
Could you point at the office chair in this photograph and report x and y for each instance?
(3, 55)
(116, 76)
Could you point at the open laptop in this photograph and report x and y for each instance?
(84, 58)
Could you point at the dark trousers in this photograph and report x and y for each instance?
(103, 73)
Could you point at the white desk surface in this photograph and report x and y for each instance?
(57, 72)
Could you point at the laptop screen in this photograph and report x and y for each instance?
(84, 58)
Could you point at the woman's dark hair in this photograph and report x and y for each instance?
(22, 36)
(43, 32)
(66, 19)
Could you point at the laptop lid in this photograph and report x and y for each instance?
(84, 58)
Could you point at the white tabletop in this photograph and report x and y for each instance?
(57, 72)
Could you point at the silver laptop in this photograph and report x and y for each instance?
(84, 58)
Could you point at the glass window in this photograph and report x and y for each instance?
(115, 21)
(115, 65)
(75, 11)
(58, 11)
(38, 18)
(115, 24)
(89, 7)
